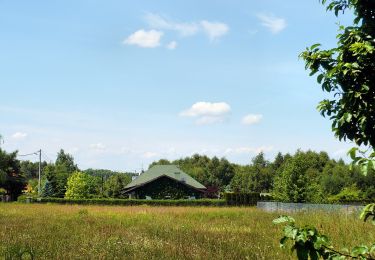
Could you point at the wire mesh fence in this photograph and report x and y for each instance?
(273, 206)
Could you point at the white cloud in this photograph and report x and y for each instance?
(273, 23)
(158, 22)
(207, 112)
(98, 147)
(19, 135)
(214, 30)
(251, 119)
(172, 45)
(144, 39)
(207, 109)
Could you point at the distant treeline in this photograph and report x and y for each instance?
(302, 177)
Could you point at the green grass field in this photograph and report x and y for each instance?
(142, 232)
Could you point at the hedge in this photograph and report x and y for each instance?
(230, 199)
(133, 202)
(239, 199)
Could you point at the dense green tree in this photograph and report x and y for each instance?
(115, 184)
(48, 189)
(63, 168)
(31, 169)
(66, 162)
(278, 161)
(298, 180)
(80, 186)
(259, 160)
(11, 178)
(160, 162)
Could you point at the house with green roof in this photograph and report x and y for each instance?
(164, 182)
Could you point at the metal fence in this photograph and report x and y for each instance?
(273, 206)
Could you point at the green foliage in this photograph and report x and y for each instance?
(31, 169)
(10, 177)
(297, 181)
(79, 186)
(115, 184)
(347, 72)
(367, 163)
(47, 189)
(213, 172)
(66, 161)
(308, 243)
(348, 194)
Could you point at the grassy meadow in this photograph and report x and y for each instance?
(143, 232)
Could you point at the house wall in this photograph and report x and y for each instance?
(166, 188)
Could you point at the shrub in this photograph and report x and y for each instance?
(24, 197)
(349, 194)
(134, 202)
(238, 199)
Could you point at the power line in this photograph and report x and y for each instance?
(39, 152)
(34, 153)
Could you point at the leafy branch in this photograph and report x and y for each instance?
(309, 243)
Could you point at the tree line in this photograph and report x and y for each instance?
(305, 176)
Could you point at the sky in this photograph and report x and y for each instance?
(120, 83)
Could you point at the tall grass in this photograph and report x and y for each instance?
(142, 232)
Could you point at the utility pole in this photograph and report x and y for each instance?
(40, 166)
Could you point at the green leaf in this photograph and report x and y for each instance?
(320, 78)
(313, 47)
(352, 152)
(359, 250)
(283, 219)
(290, 232)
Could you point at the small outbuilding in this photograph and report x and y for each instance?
(164, 182)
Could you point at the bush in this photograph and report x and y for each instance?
(24, 197)
(134, 202)
(349, 194)
(239, 199)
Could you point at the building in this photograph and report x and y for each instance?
(164, 182)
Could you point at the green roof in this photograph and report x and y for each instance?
(171, 171)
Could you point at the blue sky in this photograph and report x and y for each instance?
(121, 83)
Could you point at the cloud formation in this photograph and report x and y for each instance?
(273, 23)
(158, 22)
(19, 135)
(251, 119)
(213, 30)
(207, 112)
(144, 39)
